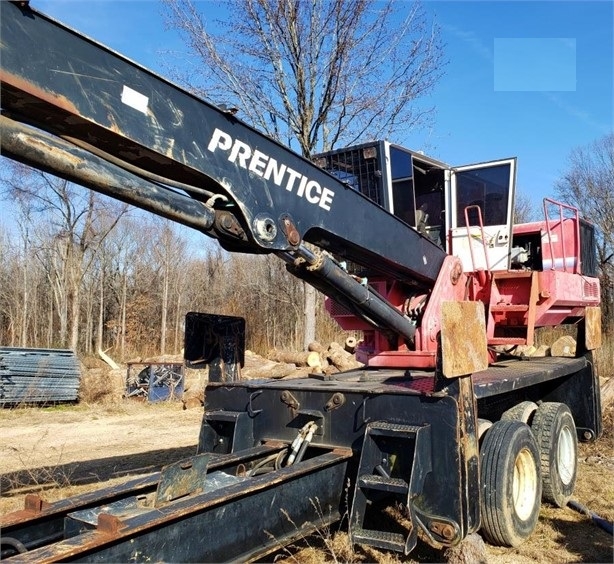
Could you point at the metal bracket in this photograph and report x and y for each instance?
(287, 398)
(336, 401)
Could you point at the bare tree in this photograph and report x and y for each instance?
(524, 209)
(587, 184)
(76, 222)
(316, 72)
(169, 259)
(320, 72)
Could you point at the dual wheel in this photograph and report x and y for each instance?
(520, 463)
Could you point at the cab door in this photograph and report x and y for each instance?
(482, 202)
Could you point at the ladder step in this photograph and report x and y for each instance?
(382, 428)
(509, 307)
(380, 539)
(381, 483)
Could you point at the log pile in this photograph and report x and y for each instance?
(565, 346)
(318, 359)
(341, 359)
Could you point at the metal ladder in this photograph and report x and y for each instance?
(394, 460)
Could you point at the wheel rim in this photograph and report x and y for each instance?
(566, 456)
(524, 486)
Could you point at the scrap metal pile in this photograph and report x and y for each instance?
(35, 376)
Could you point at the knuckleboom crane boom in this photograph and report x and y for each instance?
(143, 140)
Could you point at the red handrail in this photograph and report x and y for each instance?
(560, 206)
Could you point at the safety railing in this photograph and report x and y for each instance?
(556, 232)
(469, 236)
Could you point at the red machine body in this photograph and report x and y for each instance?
(527, 275)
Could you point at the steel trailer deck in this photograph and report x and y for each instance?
(223, 517)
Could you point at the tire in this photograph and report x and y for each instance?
(522, 412)
(511, 484)
(557, 440)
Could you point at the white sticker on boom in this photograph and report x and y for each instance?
(134, 99)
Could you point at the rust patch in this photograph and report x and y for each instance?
(109, 524)
(35, 503)
(463, 338)
(21, 84)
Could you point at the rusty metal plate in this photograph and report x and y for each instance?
(593, 327)
(182, 478)
(463, 338)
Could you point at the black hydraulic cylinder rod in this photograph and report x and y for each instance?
(49, 153)
(323, 272)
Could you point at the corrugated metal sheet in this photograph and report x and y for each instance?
(38, 376)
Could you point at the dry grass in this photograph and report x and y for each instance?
(604, 358)
(53, 475)
(102, 386)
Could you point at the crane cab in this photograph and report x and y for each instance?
(466, 210)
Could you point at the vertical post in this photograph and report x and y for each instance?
(217, 341)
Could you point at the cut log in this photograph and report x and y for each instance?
(306, 358)
(350, 344)
(330, 369)
(315, 346)
(271, 370)
(340, 358)
(542, 350)
(607, 392)
(565, 346)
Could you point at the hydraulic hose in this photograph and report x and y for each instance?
(17, 545)
(604, 524)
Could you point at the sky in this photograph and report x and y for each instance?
(524, 79)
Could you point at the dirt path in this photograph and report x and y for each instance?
(49, 449)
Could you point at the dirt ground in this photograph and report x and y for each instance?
(66, 450)
(63, 451)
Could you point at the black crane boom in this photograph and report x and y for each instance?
(66, 84)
